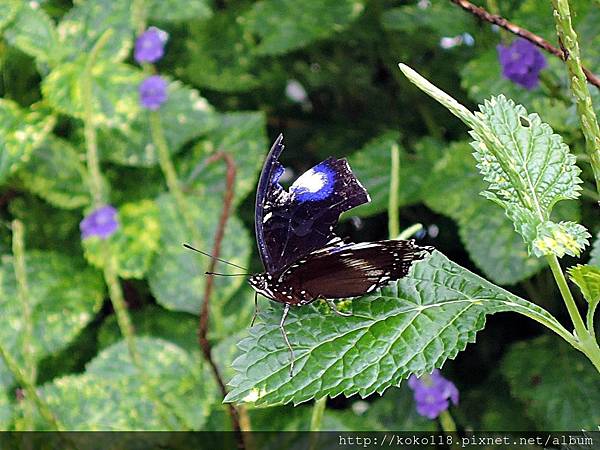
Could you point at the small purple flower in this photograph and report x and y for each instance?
(153, 92)
(521, 63)
(101, 222)
(150, 45)
(432, 392)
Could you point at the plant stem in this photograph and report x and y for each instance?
(315, 421)
(408, 232)
(99, 199)
(590, 319)
(570, 47)
(26, 377)
(586, 343)
(393, 213)
(447, 422)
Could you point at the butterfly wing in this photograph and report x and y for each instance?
(290, 225)
(352, 270)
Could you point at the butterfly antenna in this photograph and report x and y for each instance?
(214, 257)
(227, 274)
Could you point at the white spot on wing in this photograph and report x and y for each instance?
(310, 181)
(267, 217)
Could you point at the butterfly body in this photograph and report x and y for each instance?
(304, 259)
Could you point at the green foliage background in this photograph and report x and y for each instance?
(228, 65)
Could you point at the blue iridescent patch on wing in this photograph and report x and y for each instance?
(314, 184)
(277, 172)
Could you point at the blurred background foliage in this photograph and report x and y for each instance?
(323, 72)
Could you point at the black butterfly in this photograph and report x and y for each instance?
(304, 259)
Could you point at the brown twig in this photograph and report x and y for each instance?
(482, 14)
(204, 313)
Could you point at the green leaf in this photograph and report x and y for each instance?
(588, 280)
(6, 410)
(413, 326)
(110, 395)
(134, 243)
(176, 327)
(184, 116)
(55, 172)
(33, 32)
(114, 87)
(242, 135)
(438, 18)
(175, 10)
(371, 165)
(558, 385)
(528, 169)
(8, 11)
(221, 54)
(488, 235)
(63, 299)
(285, 25)
(177, 277)
(595, 255)
(84, 24)
(20, 133)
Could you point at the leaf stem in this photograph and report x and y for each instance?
(99, 199)
(586, 343)
(316, 418)
(570, 47)
(447, 422)
(408, 232)
(393, 213)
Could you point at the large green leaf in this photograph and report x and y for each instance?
(134, 243)
(413, 326)
(114, 88)
(177, 277)
(87, 21)
(63, 299)
(184, 116)
(55, 172)
(285, 25)
(558, 385)
(20, 133)
(175, 10)
(34, 33)
(111, 395)
(242, 135)
(221, 54)
(587, 278)
(453, 189)
(371, 165)
(438, 18)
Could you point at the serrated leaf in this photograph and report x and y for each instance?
(177, 277)
(184, 116)
(558, 385)
(242, 135)
(134, 243)
(285, 25)
(528, 169)
(595, 254)
(63, 299)
(588, 280)
(452, 189)
(20, 133)
(84, 24)
(55, 172)
(33, 32)
(110, 395)
(413, 326)
(221, 54)
(175, 10)
(371, 165)
(114, 87)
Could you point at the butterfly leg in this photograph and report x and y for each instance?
(285, 313)
(335, 310)
(255, 308)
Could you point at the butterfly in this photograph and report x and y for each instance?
(303, 258)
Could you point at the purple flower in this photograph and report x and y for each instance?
(521, 62)
(150, 45)
(432, 392)
(101, 222)
(153, 92)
